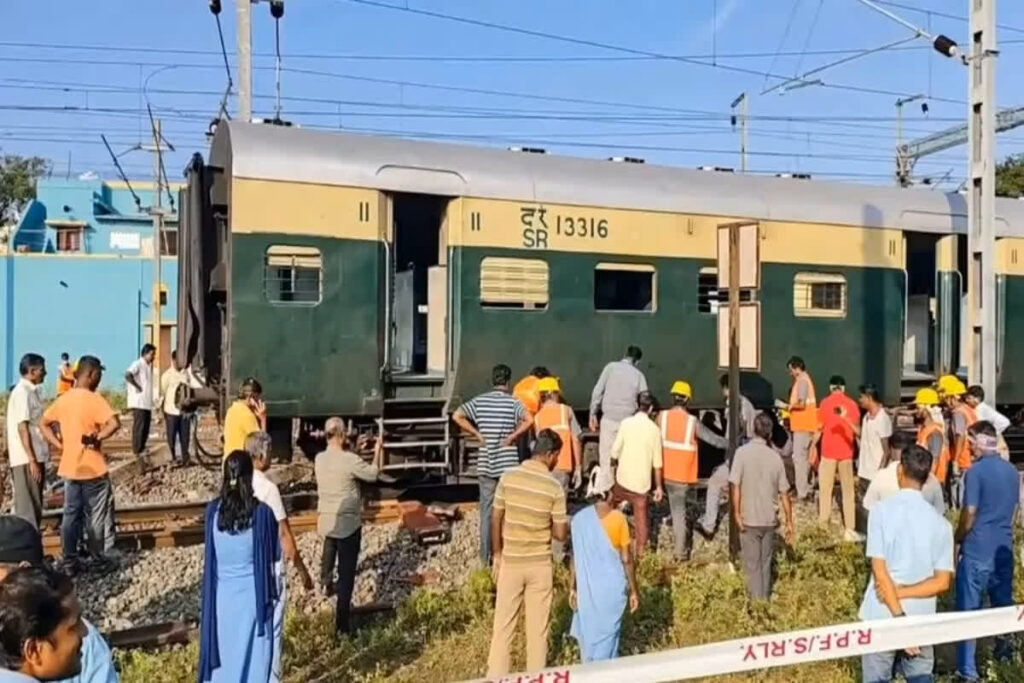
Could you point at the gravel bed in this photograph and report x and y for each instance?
(167, 484)
(163, 585)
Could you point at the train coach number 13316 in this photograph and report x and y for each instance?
(538, 227)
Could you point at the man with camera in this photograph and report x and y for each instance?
(86, 420)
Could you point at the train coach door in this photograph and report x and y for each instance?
(749, 323)
(417, 289)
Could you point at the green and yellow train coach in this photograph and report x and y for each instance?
(380, 279)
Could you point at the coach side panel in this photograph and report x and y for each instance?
(678, 333)
(306, 269)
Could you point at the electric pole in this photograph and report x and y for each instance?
(744, 115)
(734, 368)
(981, 238)
(244, 60)
(157, 212)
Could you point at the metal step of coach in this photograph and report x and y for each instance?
(416, 434)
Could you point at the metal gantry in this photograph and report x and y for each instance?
(908, 154)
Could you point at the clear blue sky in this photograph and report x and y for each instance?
(584, 100)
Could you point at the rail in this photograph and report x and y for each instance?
(145, 527)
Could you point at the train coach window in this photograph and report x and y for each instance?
(624, 287)
(707, 290)
(514, 283)
(819, 295)
(293, 275)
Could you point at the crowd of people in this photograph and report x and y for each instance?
(894, 485)
(894, 489)
(75, 425)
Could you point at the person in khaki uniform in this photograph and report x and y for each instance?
(529, 511)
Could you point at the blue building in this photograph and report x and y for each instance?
(76, 275)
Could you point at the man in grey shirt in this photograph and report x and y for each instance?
(758, 485)
(718, 482)
(747, 411)
(338, 475)
(614, 399)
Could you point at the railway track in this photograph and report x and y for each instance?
(166, 525)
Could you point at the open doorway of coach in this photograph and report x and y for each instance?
(418, 276)
(936, 265)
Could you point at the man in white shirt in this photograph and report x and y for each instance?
(177, 421)
(975, 398)
(257, 445)
(636, 453)
(886, 482)
(139, 385)
(873, 432)
(25, 443)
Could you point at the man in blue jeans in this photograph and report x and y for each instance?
(496, 419)
(86, 420)
(985, 536)
(911, 550)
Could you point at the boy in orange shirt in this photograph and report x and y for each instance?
(86, 420)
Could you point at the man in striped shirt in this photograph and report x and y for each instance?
(529, 511)
(495, 419)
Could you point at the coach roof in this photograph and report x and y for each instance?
(267, 152)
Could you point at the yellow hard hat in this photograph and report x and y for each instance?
(948, 382)
(956, 389)
(784, 414)
(681, 388)
(548, 384)
(927, 397)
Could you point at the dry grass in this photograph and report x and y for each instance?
(444, 636)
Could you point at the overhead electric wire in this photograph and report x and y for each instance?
(124, 177)
(227, 69)
(579, 41)
(810, 32)
(410, 58)
(61, 86)
(944, 15)
(782, 41)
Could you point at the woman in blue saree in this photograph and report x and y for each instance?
(601, 570)
(239, 587)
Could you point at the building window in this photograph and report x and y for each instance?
(707, 290)
(69, 239)
(169, 242)
(819, 295)
(514, 283)
(293, 275)
(624, 287)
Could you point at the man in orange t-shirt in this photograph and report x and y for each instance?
(86, 420)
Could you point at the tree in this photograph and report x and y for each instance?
(1010, 177)
(18, 177)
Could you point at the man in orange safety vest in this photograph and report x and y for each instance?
(961, 417)
(803, 422)
(680, 432)
(559, 417)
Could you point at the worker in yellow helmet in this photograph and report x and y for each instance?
(554, 414)
(680, 432)
(931, 433)
(961, 417)
(945, 384)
